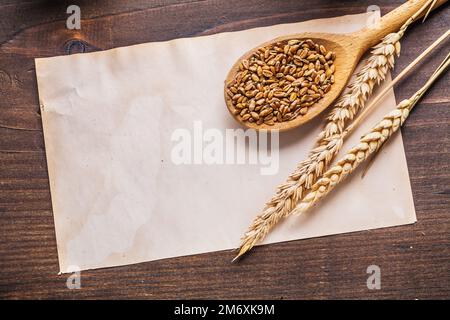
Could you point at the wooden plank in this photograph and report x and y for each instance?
(415, 259)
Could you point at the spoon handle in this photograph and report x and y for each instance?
(391, 22)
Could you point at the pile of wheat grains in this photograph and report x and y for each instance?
(279, 82)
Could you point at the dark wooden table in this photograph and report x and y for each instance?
(414, 259)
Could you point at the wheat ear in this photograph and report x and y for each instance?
(369, 144)
(329, 143)
(330, 139)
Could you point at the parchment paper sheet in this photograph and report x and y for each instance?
(119, 199)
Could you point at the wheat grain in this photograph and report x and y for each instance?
(279, 82)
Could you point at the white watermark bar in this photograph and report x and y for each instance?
(211, 146)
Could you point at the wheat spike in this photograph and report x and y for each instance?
(329, 140)
(369, 144)
(375, 70)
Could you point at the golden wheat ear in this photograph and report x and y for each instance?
(369, 144)
(330, 140)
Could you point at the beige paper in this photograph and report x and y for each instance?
(119, 199)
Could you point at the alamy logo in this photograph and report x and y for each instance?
(234, 146)
(374, 280)
(373, 20)
(74, 280)
(74, 20)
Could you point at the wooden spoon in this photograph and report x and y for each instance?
(348, 48)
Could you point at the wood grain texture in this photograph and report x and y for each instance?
(414, 259)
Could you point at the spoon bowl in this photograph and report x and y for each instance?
(345, 61)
